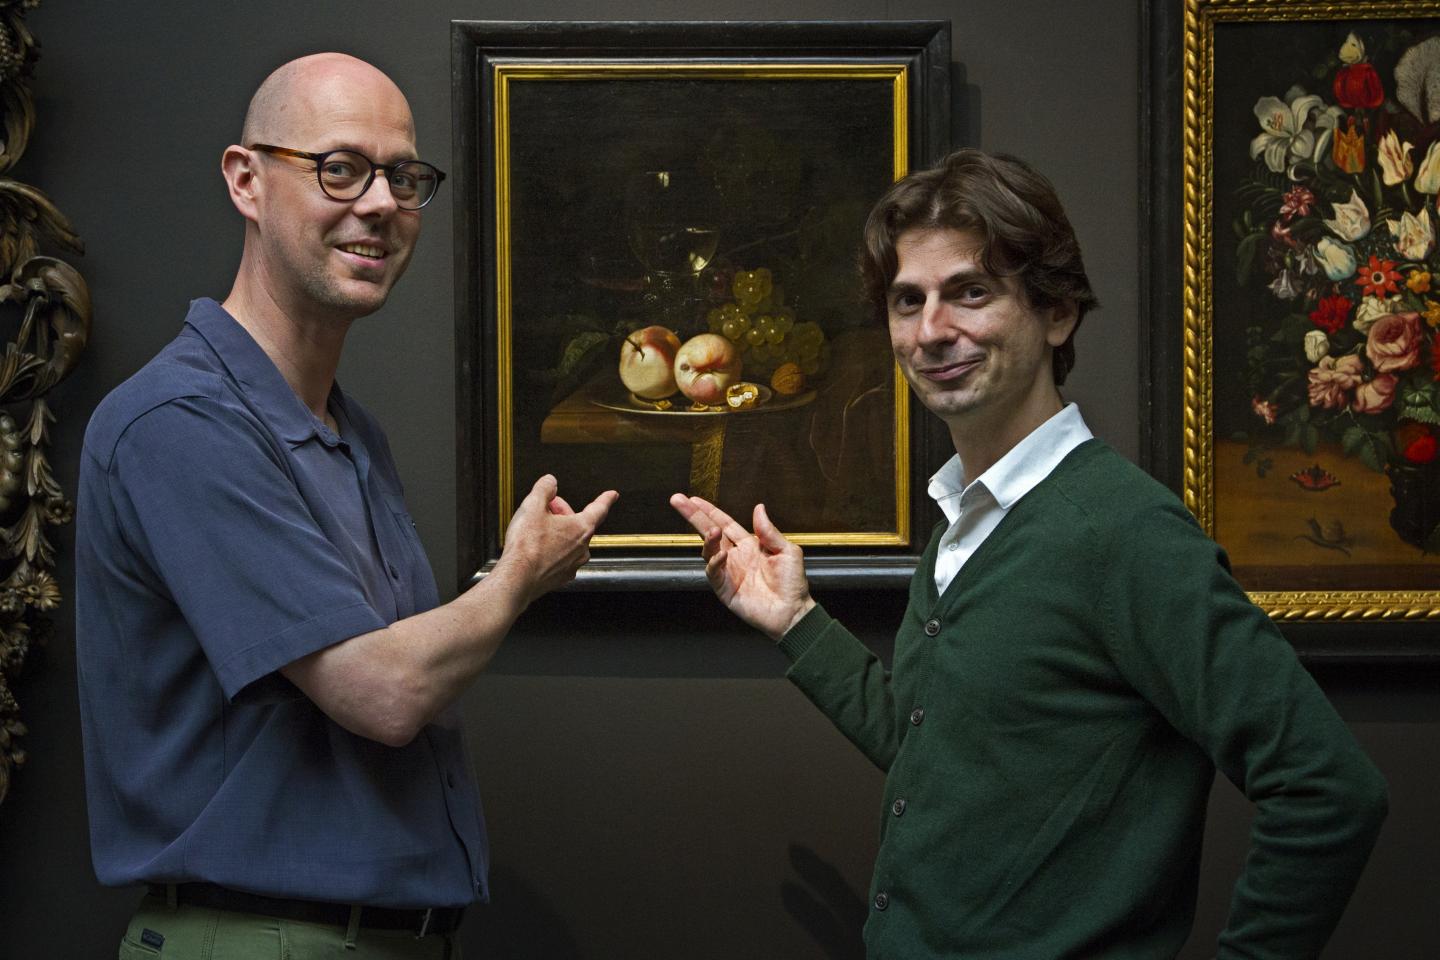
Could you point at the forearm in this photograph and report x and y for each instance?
(1314, 828)
(386, 685)
(1193, 645)
(847, 681)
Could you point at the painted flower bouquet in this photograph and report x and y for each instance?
(1339, 221)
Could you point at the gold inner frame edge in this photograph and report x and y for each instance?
(506, 72)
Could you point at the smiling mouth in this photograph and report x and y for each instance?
(950, 371)
(363, 250)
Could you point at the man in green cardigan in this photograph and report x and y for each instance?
(1075, 660)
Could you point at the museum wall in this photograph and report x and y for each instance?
(654, 787)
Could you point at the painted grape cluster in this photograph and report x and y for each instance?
(767, 334)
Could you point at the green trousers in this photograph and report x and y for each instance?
(162, 932)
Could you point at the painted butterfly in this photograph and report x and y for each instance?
(1315, 479)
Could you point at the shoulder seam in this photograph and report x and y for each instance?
(145, 412)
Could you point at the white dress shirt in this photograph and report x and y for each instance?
(975, 509)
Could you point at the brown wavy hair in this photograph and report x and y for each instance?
(1015, 212)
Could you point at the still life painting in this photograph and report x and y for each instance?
(679, 290)
(1324, 320)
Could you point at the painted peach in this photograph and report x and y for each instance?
(647, 362)
(705, 367)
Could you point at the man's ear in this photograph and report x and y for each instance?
(237, 165)
(1061, 323)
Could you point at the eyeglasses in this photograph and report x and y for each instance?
(346, 175)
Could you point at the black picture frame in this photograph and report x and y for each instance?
(540, 107)
(1179, 278)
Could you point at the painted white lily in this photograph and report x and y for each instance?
(1395, 163)
(1337, 259)
(1288, 129)
(1352, 219)
(1414, 236)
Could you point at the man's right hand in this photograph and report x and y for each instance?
(759, 576)
(547, 541)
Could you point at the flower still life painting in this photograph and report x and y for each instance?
(1326, 304)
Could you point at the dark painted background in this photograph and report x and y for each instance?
(655, 789)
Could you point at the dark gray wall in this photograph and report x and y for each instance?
(654, 788)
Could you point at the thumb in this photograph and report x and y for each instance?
(770, 536)
(543, 492)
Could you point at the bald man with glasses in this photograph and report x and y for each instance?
(268, 681)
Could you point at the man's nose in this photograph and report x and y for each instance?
(378, 200)
(935, 322)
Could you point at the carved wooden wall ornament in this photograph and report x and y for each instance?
(45, 310)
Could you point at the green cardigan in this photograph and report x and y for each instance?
(1050, 731)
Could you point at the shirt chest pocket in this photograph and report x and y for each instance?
(405, 561)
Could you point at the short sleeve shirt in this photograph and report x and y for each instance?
(222, 532)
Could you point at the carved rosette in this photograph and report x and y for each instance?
(45, 311)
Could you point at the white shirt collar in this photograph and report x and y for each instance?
(1020, 470)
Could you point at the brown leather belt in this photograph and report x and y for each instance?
(435, 921)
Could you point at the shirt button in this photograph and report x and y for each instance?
(882, 900)
(954, 546)
(932, 627)
(898, 807)
(917, 715)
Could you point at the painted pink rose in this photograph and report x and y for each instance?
(1394, 342)
(1331, 381)
(1373, 396)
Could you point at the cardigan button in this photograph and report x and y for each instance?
(932, 627)
(898, 807)
(917, 715)
(882, 900)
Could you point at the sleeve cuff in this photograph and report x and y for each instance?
(803, 635)
(244, 667)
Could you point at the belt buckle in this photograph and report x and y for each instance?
(425, 919)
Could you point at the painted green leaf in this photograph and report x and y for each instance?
(1370, 458)
(1245, 255)
(1423, 413)
(575, 351)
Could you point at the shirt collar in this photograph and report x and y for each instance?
(259, 379)
(1020, 470)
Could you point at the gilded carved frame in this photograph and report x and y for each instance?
(1196, 269)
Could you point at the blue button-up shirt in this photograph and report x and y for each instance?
(222, 532)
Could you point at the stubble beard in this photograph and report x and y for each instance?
(326, 290)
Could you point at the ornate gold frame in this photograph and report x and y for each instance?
(1197, 478)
